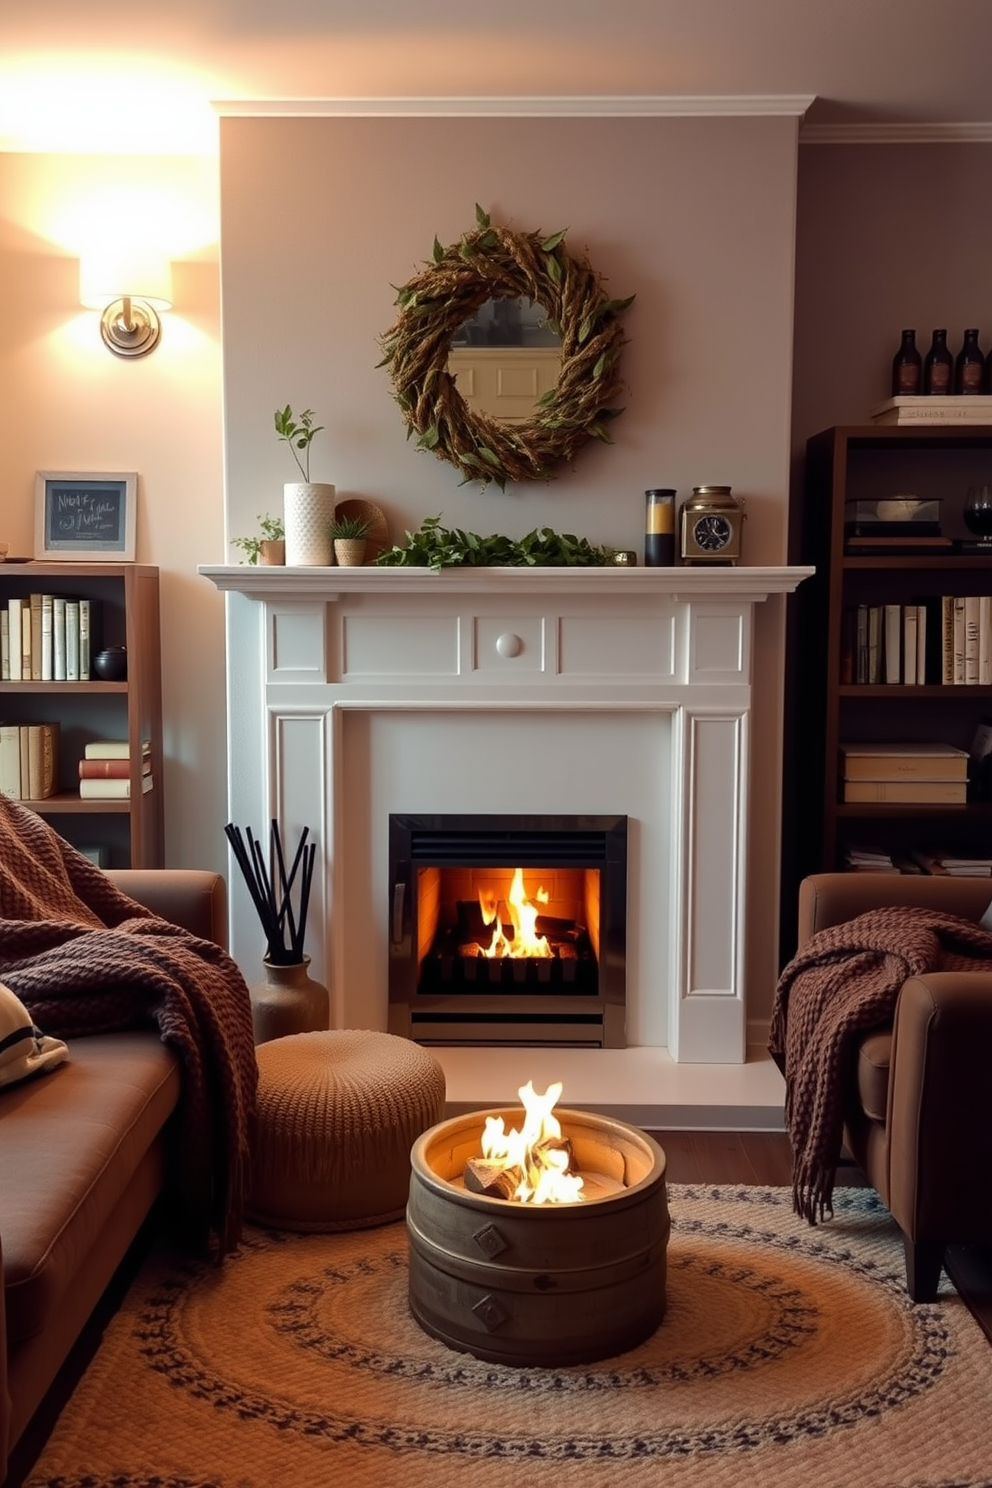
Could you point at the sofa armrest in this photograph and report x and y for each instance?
(192, 898)
(832, 898)
(4, 1397)
(939, 1116)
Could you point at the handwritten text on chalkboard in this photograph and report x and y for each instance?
(89, 515)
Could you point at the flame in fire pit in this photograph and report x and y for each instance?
(537, 1153)
(523, 916)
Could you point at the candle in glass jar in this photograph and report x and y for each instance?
(659, 527)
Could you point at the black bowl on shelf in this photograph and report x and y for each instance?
(110, 665)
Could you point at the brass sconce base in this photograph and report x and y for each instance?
(130, 328)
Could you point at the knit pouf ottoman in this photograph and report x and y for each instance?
(338, 1113)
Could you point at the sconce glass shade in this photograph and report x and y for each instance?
(130, 288)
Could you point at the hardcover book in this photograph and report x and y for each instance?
(43, 758)
(110, 790)
(889, 762)
(922, 792)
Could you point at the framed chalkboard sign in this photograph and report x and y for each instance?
(82, 517)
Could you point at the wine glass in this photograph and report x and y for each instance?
(978, 510)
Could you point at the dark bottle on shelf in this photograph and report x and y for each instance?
(938, 367)
(907, 368)
(969, 369)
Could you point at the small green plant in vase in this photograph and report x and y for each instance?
(262, 547)
(298, 434)
(308, 506)
(349, 535)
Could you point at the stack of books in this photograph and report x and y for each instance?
(928, 774)
(29, 760)
(868, 859)
(46, 638)
(964, 409)
(105, 770)
(952, 865)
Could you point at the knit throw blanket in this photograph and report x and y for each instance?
(841, 985)
(87, 959)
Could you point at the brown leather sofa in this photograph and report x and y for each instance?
(918, 1114)
(83, 1155)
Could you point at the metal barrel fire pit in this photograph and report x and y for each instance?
(540, 1284)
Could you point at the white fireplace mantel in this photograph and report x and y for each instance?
(744, 584)
(357, 692)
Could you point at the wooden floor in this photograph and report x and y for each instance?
(762, 1158)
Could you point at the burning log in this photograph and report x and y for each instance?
(491, 1178)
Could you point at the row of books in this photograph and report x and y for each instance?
(941, 861)
(29, 765)
(927, 773)
(46, 638)
(29, 760)
(942, 639)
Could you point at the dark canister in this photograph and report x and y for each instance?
(659, 527)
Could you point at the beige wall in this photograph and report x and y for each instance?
(68, 404)
(321, 218)
(888, 236)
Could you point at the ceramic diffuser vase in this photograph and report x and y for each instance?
(290, 1000)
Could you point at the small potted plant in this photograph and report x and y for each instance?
(349, 536)
(269, 547)
(308, 506)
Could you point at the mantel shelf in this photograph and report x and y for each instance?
(679, 583)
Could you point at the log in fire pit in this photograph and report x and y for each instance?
(545, 1284)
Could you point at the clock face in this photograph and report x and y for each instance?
(711, 533)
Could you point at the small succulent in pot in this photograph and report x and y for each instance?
(350, 528)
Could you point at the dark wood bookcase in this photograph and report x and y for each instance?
(823, 709)
(125, 604)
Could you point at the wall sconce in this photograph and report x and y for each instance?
(129, 287)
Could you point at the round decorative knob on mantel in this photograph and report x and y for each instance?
(509, 644)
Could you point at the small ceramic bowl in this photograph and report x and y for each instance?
(110, 665)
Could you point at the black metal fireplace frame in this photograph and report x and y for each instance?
(595, 1019)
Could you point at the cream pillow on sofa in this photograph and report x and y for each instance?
(24, 1049)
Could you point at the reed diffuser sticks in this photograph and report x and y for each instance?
(271, 893)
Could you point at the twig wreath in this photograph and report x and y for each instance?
(497, 263)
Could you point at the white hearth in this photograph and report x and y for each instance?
(356, 693)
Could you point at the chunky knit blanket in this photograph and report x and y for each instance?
(86, 959)
(841, 985)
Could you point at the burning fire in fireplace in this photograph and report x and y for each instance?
(533, 1164)
(522, 915)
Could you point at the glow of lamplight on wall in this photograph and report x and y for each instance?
(125, 106)
(171, 217)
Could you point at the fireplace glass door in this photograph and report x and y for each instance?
(508, 929)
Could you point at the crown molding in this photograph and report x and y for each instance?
(895, 134)
(601, 107)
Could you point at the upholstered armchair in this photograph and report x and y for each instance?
(918, 1106)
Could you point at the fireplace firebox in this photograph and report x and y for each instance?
(508, 929)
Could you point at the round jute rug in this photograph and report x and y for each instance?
(788, 1356)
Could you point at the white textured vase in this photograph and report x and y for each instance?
(308, 511)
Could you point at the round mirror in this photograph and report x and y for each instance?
(505, 359)
(462, 288)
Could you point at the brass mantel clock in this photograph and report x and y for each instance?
(710, 526)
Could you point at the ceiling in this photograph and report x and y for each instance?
(113, 75)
